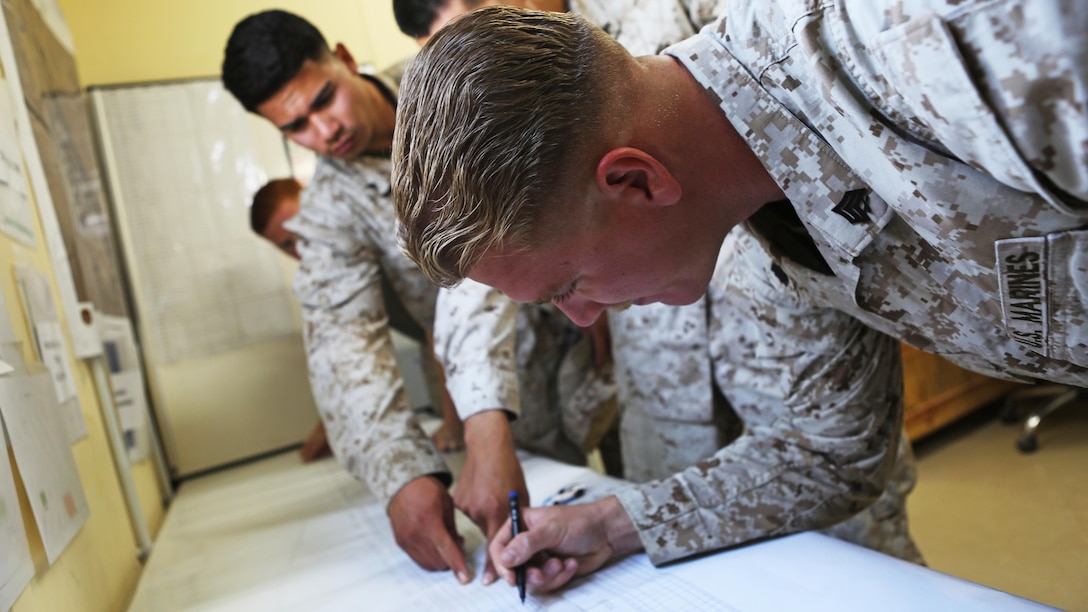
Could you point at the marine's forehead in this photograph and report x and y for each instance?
(294, 99)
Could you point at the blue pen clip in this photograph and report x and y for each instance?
(566, 495)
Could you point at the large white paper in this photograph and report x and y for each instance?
(16, 565)
(313, 538)
(280, 535)
(44, 458)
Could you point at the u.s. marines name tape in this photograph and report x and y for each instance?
(1022, 264)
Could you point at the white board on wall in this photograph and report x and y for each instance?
(182, 161)
(185, 159)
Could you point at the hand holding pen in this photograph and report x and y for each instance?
(557, 543)
(490, 472)
(515, 529)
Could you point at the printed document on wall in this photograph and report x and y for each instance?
(16, 565)
(10, 351)
(52, 348)
(16, 215)
(44, 458)
(55, 357)
(126, 378)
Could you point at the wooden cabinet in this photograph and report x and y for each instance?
(937, 392)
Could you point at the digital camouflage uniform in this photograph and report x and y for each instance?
(672, 421)
(672, 418)
(498, 354)
(343, 227)
(662, 367)
(935, 154)
(644, 27)
(347, 244)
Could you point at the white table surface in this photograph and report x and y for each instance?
(281, 535)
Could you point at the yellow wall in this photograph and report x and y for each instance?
(99, 569)
(126, 41)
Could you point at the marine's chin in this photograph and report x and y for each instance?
(623, 306)
(674, 296)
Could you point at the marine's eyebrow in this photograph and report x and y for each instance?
(297, 123)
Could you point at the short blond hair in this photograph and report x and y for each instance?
(493, 113)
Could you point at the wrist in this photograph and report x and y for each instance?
(487, 428)
(619, 529)
(416, 486)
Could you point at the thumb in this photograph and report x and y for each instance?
(520, 549)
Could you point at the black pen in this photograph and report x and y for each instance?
(515, 528)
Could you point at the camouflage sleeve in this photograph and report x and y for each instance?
(354, 375)
(820, 395)
(475, 339)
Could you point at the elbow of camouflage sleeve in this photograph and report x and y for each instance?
(680, 516)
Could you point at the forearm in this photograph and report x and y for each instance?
(355, 379)
(475, 341)
(362, 401)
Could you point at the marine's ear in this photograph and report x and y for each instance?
(341, 53)
(636, 176)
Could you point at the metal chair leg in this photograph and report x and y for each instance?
(1040, 390)
(1028, 442)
